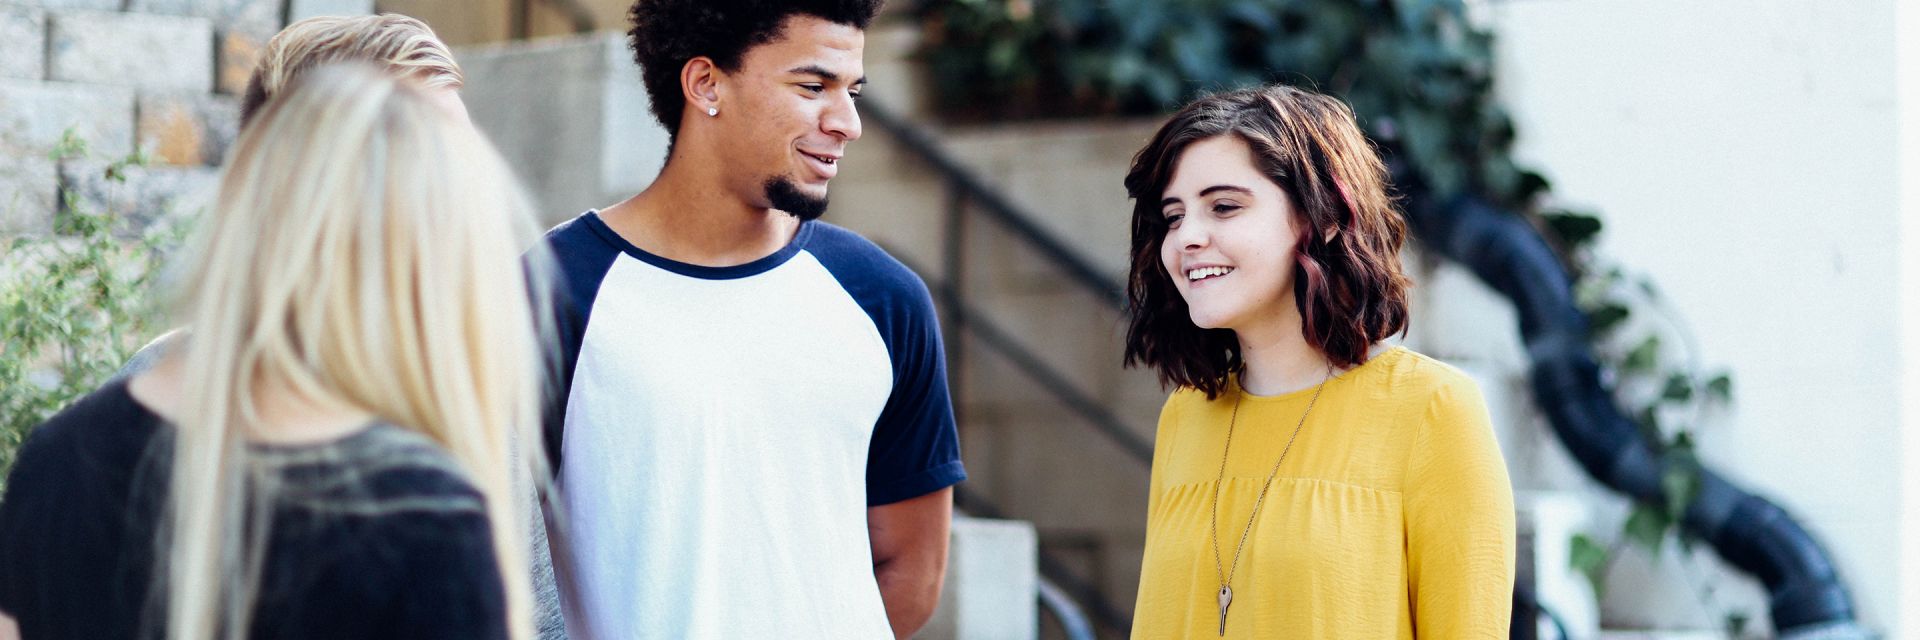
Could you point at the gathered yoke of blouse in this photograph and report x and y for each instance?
(1392, 517)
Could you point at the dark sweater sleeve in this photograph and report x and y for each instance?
(453, 587)
(64, 523)
(44, 515)
(13, 505)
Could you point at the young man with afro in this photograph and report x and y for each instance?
(752, 430)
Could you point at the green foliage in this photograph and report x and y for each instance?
(73, 306)
(1651, 359)
(1646, 526)
(1737, 624)
(1572, 228)
(1590, 559)
(1416, 72)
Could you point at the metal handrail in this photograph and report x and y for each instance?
(963, 319)
(1002, 342)
(1072, 620)
(993, 204)
(1066, 580)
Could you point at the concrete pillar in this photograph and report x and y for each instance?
(992, 583)
(588, 140)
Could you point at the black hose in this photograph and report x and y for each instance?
(1751, 533)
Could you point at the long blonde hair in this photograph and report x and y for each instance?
(363, 252)
(405, 47)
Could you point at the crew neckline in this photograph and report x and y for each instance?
(1234, 388)
(703, 272)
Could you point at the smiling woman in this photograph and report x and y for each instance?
(1265, 282)
(1286, 177)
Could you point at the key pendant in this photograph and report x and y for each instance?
(1226, 599)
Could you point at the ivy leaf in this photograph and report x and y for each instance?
(1736, 624)
(1679, 388)
(1647, 287)
(1680, 481)
(1645, 356)
(1647, 527)
(1161, 85)
(1413, 13)
(1590, 559)
(1125, 69)
(1607, 317)
(1681, 451)
(1532, 183)
(1196, 51)
(1255, 14)
(1720, 388)
(1681, 484)
(1003, 55)
(1574, 229)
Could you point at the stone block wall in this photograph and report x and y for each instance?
(162, 76)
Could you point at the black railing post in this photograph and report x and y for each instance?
(954, 260)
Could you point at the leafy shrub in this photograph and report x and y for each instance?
(74, 304)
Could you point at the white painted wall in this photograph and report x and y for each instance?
(1749, 156)
(1907, 26)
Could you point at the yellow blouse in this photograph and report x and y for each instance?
(1391, 518)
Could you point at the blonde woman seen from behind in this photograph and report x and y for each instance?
(402, 46)
(328, 455)
(405, 48)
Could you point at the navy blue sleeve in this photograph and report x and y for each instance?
(916, 447)
(574, 262)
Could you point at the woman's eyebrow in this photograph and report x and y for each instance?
(1210, 191)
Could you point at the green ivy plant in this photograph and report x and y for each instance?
(1419, 75)
(74, 304)
(1653, 361)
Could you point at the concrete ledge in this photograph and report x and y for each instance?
(262, 17)
(131, 50)
(298, 10)
(23, 42)
(992, 583)
(28, 188)
(188, 128)
(588, 140)
(99, 5)
(150, 195)
(33, 116)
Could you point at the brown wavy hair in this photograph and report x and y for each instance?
(1347, 281)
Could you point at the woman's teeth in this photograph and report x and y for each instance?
(1207, 272)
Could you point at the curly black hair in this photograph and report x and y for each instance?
(668, 33)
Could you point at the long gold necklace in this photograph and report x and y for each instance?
(1226, 573)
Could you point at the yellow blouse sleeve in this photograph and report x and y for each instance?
(1459, 515)
(1162, 442)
